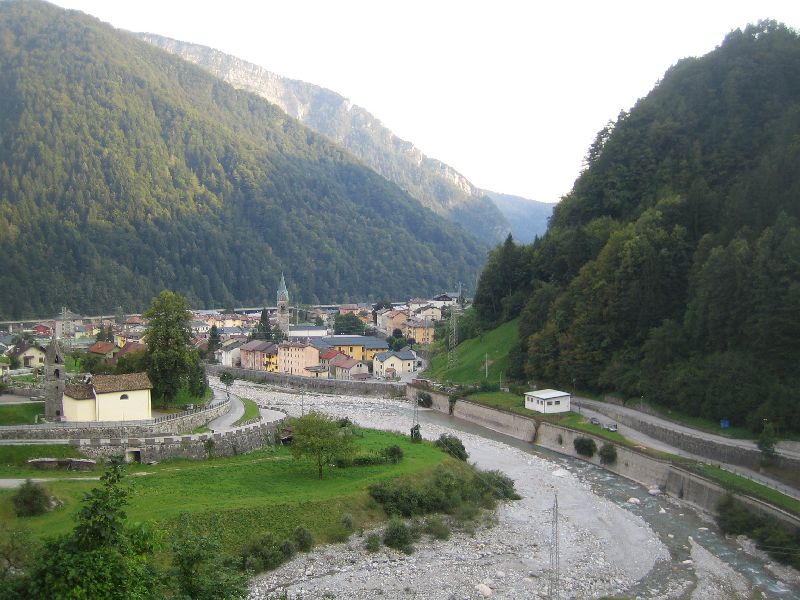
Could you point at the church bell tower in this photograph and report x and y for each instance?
(55, 378)
(283, 307)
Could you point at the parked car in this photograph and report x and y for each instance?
(611, 426)
(594, 421)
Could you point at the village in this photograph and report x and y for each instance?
(351, 342)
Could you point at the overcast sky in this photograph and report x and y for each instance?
(510, 94)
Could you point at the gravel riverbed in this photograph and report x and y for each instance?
(603, 548)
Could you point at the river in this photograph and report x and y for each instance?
(608, 545)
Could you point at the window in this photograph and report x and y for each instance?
(549, 403)
(558, 402)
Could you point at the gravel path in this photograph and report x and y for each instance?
(604, 548)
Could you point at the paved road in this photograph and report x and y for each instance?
(235, 412)
(605, 412)
(10, 484)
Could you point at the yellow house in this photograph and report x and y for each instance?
(295, 358)
(109, 398)
(360, 347)
(420, 330)
(29, 356)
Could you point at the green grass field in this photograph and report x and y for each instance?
(244, 496)
(471, 357)
(250, 411)
(20, 414)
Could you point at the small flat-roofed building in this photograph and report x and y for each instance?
(547, 401)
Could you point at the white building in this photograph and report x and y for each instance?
(547, 401)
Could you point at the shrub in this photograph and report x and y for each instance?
(344, 422)
(303, 539)
(287, 549)
(608, 454)
(437, 529)
(416, 436)
(30, 499)
(373, 542)
(451, 403)
(347, 521)
(585, 446)
(452, 445)
(394, 453)
(424, 399)
(263, 554)
(498, 485)
(397, 535)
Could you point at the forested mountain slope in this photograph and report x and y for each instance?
(125, 170)
(436, 185)
(528, 218)
(672, 269)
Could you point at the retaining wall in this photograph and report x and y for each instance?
(197, 447)
(171, 424)
(696, 444)
(633, 465)
(383, 389)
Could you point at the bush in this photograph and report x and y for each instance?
(608, 454)
(437, 529)
(30, 499)
(263, 554)
(452, 445)
(416, 436)
(394, 453)
(424, 399)
(303, 539)
(397, 535)
(287, 549)
(347, 521)
(496, 484)
(585, 446)
(373, 542)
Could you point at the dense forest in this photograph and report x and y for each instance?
(672, 269)
(435, 184)
(125, 170)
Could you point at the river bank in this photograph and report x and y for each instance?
(606, 548)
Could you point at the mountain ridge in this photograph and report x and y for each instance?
(434, 183)
(125, 170)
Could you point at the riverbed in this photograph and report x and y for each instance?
(652, 547)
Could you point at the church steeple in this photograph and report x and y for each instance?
(55, 378)
(283, 307)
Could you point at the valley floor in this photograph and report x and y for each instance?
(605, 549)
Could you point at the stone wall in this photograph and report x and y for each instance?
(197, 447)
(174, 424)
(25, 392)
(382, 389)
(706, 495)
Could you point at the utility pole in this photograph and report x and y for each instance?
(554, 591)
(486, 365)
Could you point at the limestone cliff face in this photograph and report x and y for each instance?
(435, 184)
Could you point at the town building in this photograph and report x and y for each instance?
(283, 307)
(393, 364)
(295, 357)
(259, 355)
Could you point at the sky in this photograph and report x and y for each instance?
(509, 93)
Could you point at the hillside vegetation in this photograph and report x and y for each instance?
(672, 269)
(125, 170)
(433, 183)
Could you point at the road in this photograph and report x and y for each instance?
(606, 413)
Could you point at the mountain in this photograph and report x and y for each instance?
(672, 269)
(125, 170)
(433, 183)
(528, 218)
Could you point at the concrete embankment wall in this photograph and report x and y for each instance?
(383, 389)
(174, 424)
(696, 444)
(631, 464)
(198, 447)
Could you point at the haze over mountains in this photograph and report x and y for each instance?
(435, 184)
(125, 170)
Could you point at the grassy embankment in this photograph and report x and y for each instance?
(250, 412)
(244, 496)
(20, 414)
